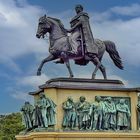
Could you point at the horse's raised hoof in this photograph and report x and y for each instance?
(38, 73)
(71, 76)
(93, 76)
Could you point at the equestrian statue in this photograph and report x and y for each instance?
(76, 43)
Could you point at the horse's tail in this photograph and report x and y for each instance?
(113, 53)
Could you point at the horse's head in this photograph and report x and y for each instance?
(43, 27)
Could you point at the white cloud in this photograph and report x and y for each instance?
(125, 82)
(124, 33)
(18, 28)
(11, 18)
(110, 76)
(131, 10)
(10, 64)
(29, 81)
(33, 81)
(22, 96)
(100, 17)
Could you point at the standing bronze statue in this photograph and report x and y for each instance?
(70, 121)
(109, 114)
(123, 115)
(45, 112)
(27, 115)
(83, 109)
(96, 112)
(79, 46)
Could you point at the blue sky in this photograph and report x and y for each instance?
(22, 52)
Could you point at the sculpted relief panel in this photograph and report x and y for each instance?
(105, 113)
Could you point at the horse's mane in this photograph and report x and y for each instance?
(59, 22)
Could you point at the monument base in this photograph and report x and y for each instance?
(80, 136)
(61, 88)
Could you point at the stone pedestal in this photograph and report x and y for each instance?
(61, 88)
(81, 136)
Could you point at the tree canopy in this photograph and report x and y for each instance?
(10, 125)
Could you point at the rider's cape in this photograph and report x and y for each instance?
(86, 32)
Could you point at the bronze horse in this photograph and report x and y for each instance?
(60, 48)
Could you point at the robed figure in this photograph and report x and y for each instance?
(51, 112)
(123, 115)
(81, 31)
(83, 108)
(109, 112)
(70, 120)
(27, 114)
(44, 114)
(96, 112)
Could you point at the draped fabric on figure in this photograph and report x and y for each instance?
(81, 27)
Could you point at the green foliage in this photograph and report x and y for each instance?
(10, 125)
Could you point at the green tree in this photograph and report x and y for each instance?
(10, 125)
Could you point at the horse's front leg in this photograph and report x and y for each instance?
(49, 58)
(94, 72)
(65, 58)
(69, 68)
(102, 69)
(98, 64)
